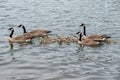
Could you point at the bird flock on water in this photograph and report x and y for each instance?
(45, 38)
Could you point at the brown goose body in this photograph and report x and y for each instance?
(88, 42)
(34, 33)
(17, 39)
(94, 37)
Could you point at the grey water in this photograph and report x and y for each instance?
(54, 61)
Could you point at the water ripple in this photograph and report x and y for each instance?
(60, 62)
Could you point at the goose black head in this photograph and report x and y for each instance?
(11, 28)
(82, 24)
(80, 35)
(78, 32)
(21, 25)
(11, 32)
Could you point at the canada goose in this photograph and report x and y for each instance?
(17, 39)
(34, 33)
(94, 37)
(88, 42)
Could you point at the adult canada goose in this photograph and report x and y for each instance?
(17, 39)
(34, 33)
(88, 42)
(94, 37)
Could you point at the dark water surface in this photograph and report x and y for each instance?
(52, 61)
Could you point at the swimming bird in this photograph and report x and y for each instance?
(88, 42)
(34, 33)
(95, 36)
(17, 39)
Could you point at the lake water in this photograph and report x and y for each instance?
(60, 62)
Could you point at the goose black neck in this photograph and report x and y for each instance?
(84, 31)
(24, 29)
(80, 37)
(11, 33)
